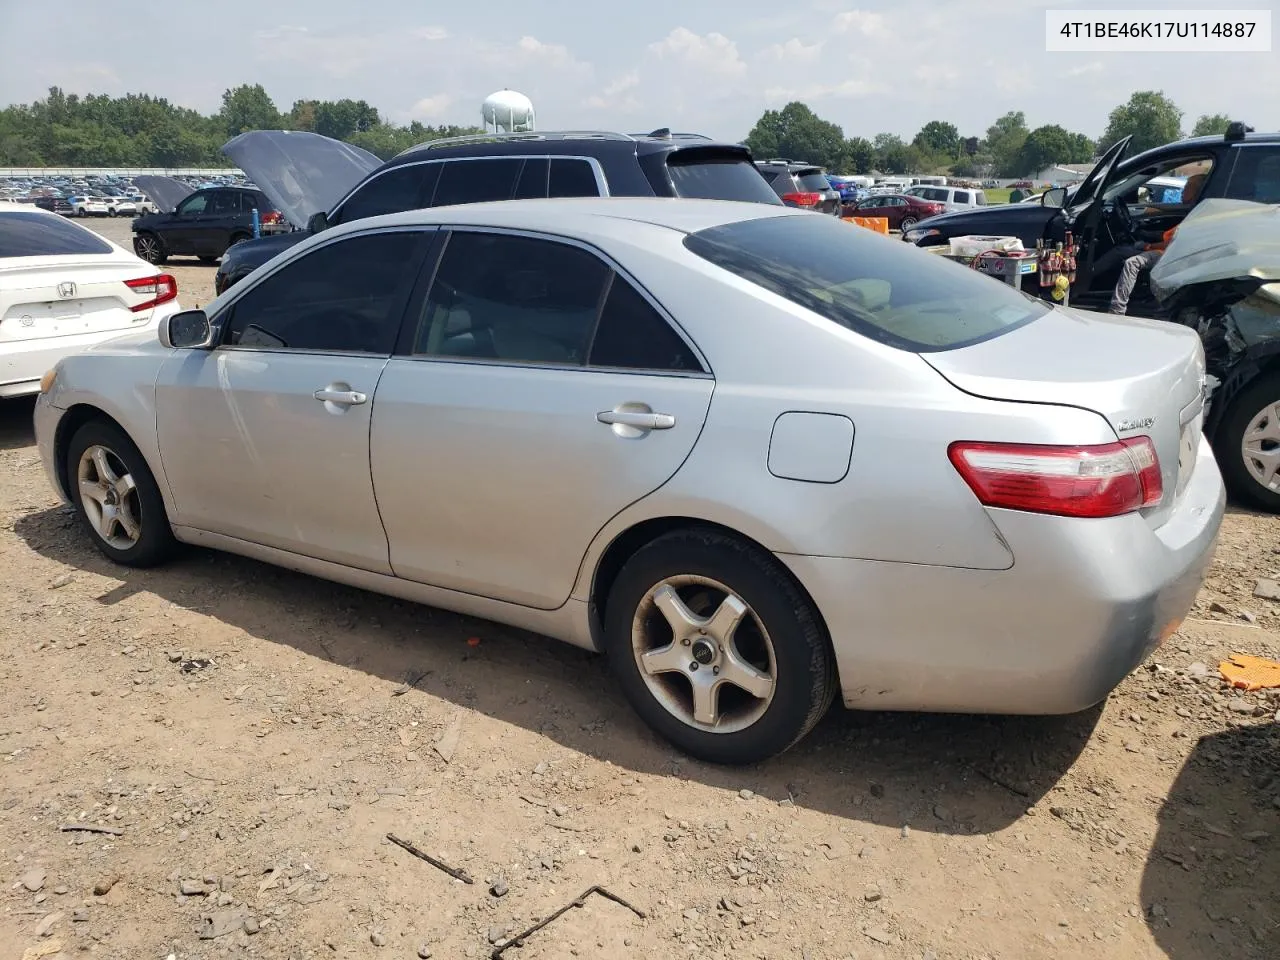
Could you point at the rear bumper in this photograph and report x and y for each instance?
(23, 363)
(1084, 603)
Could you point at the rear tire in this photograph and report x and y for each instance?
(116, 496)
(741, 618)
(907, 224)
(1250, 429)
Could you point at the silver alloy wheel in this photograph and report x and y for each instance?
(1260, 447)
(148, 249)
(109, 497)
(704, 654)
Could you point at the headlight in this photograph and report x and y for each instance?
(46, 382)
(915, 236)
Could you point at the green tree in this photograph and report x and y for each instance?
(1211, 124)
(1151, 118)
(247, 107)
(340, 119)
(894, 155)
(859, 155)
(1047, 145)
(1004, 142)
(938, 137)
(797, 133)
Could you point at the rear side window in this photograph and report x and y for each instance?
(1256, 176)
(532, 184)
(572, 178)
(633, 335)
(249, 203)
(395, 191)
(477, 181)
(225, 203)
(886, 291)
(933, 193)
(701, 176)
(962, 196)
(26, 233)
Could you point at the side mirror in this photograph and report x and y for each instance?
(188, 330)
(1057, 197)
(317, 223)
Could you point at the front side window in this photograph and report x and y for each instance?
(513, 298)
(194, 205)
(887, 292)
(339, 298)
(395, 191)
(225, 203)
(476, 181)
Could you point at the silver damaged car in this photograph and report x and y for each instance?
(756, 457)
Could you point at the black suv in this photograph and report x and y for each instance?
(486, 167)
(203, 225)
(801, 185)
(1110, 207)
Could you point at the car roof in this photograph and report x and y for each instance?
(594, 143)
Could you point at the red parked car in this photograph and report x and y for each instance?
(900, 210)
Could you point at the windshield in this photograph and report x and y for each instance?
(26, 233)
(892, 292)
(719, 178)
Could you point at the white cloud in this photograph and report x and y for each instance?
(861, 21)
(431, 108)
(843, 90)
(431, 33)
(1084, 69)
(715, 53)
(794, 50)
(617, 96)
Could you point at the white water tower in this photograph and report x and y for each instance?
(507, 111)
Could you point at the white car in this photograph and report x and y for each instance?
(953, 198)
(64, 288)
(85, 205)
(121, 207)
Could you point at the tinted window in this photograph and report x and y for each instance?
(572, 178)
(395, 191)
(476, 181)
(193, 205)
(702, 177)
(632, 334)
(933, 193)
(502, 297)
(885, 291)
(962, 196)
(339, 298)
(25, 233)
(813, 182)
(533, 179)
(1257, 175)
(225, 203)
(250, 202)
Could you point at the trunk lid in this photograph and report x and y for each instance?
(62, 296)
(301, 173)
(1145, 377)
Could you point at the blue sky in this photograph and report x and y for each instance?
(709, 66)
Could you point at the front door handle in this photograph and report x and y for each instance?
(346, 398)
(637, 419)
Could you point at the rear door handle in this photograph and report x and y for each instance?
(641, 421)
(347, 398)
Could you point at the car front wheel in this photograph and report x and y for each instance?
(717, 648)
(116, 496)
(149, 248)
(1248, 445)
(907, 223)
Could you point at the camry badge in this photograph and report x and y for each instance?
(1141, 423)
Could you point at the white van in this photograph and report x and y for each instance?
(953, 198)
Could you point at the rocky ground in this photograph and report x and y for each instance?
(205, 761)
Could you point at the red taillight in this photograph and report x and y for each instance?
(161, 288)
(1097, 481)
(272, 216)
(803, 199)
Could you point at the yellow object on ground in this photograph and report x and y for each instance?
(1250, 673)
(878, 224)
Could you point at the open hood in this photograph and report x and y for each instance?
(1221, 240)
(165, 192)
(1095, 184)
(301, 173)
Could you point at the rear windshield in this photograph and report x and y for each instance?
(26, 233)
(719, 178)
(813, 181)
(890, 291)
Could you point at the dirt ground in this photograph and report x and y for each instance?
(248, 737)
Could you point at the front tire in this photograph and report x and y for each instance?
(1248, 445)
(149, 248)
(907, 224)
(116, 496)
(717, 648)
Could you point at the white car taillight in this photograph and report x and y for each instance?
(1105, 480)
(161, 288)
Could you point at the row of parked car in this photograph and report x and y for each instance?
(714, 440)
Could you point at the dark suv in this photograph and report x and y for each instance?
(203, 225)
(801, 185)
(480, 168)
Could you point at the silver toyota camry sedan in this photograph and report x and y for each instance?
(755, 456)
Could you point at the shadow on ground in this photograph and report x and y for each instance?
(1212, 885)
(941, 773)
(16, 429)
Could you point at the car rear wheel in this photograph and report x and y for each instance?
(1248, 445)
(717, 648)
(149, 248)
(907, 223)
(116, 496)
